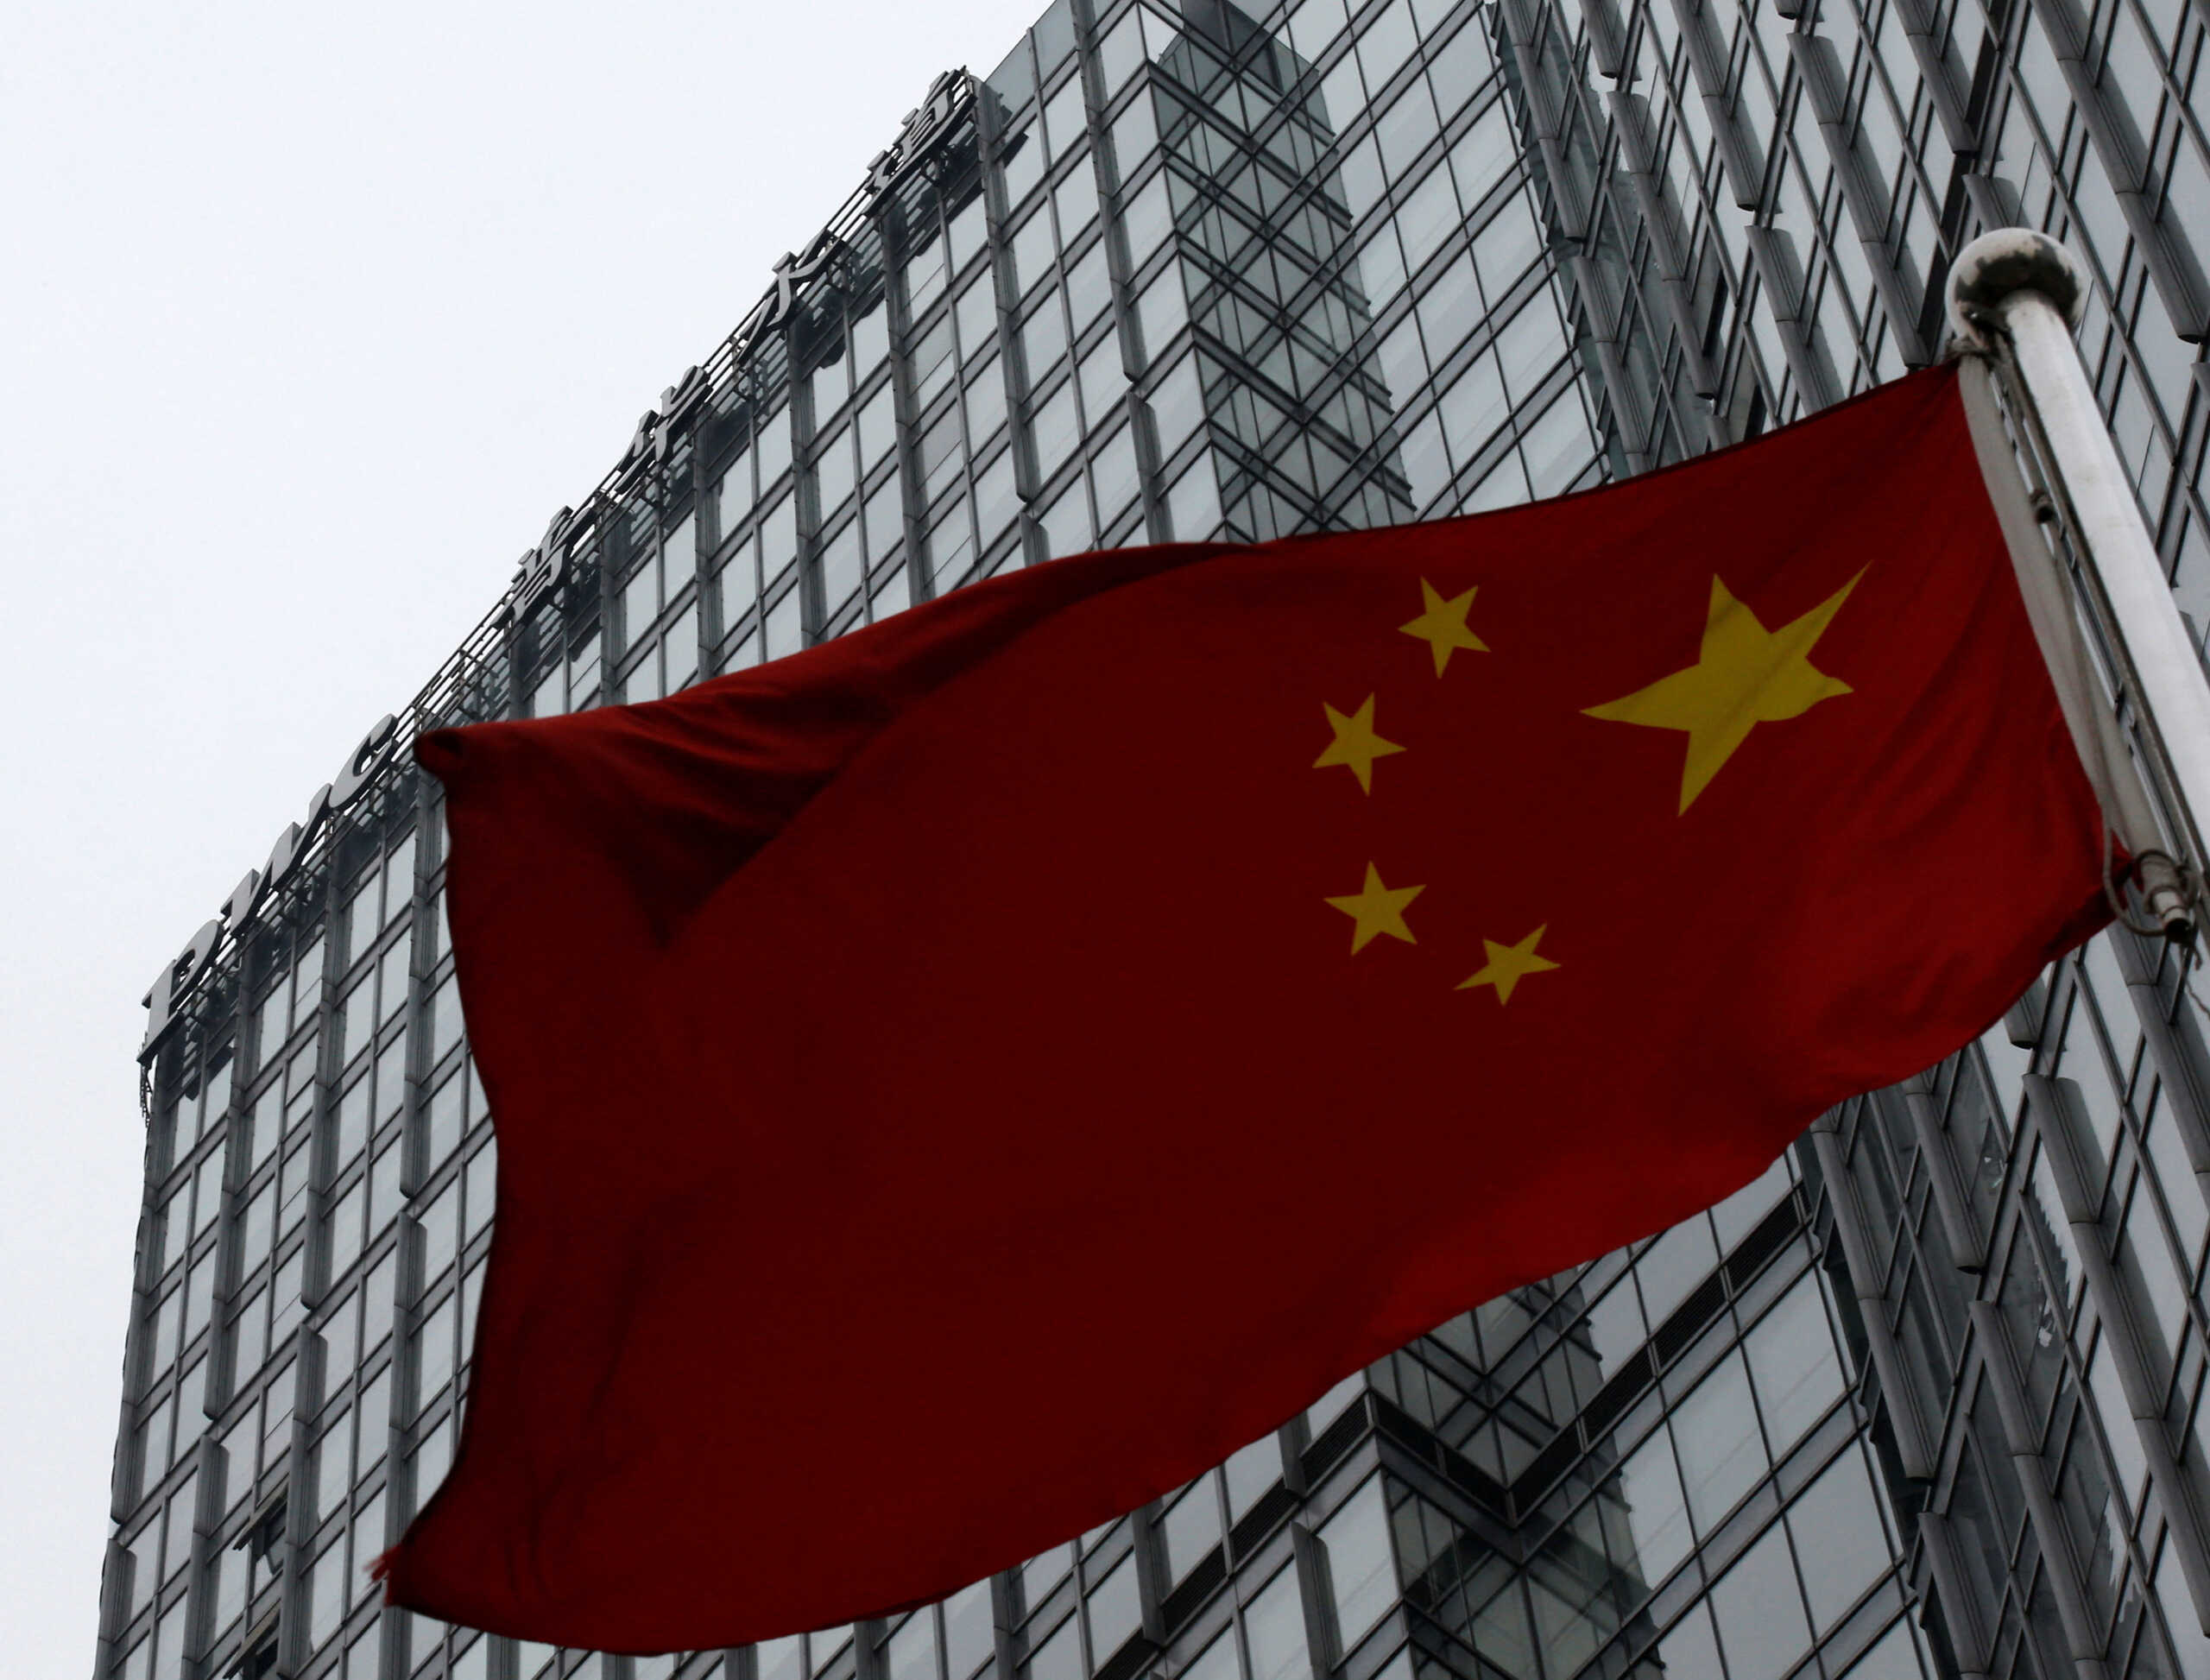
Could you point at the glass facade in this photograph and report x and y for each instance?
(1925, 1399)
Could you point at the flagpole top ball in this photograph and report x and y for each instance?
(2009, 260)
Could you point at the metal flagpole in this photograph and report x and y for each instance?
(2019, 293)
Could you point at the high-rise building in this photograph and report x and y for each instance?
(1925, 1399)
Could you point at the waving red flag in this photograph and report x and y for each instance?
(957, 1082)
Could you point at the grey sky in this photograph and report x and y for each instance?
(307, 324)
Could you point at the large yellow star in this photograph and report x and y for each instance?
(1442, 625)
(1745, 675)
(1376, 909)
(1507, 965)
(1356, 744)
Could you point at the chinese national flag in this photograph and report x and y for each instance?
(957, 1082)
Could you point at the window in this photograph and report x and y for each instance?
(1362, 1573)
(912, 1649)
(996, 499)
(1043, 338)
(878, 428)
(985, 404)
(933, 363)
(1251, 1473)
(1530, 347)
(1429, 215)
(1114, 1613)
(1113, 473)
(1162, 311)
(1449, 309)
(1075, 199)
(1559, 446)
(391, 975)
(886, 518)
(1406, 127)
(968, 1642)
(1190, 1528)
(1053, 430)
(440, 1232)
(834, 471)
(831, 384)
(1837, 1521)
(1508, 247)
(778, 541)
(734, 496)
(680, 553)
(1472, 410)
(1103, 380)
(942, 448)
(1065, 122)
(1066, 522)
(640, 600)
(1193, 505)
(444, 1020)
(738, 583)
(772, 447)
(1274, 1628)
(1715, 1431)
(925, 275)
(1023, 161)
(951, 543)
(1090, 288)
(976, 312)
(893, 595)
(1146, 219)
(1030, 247)
(1135, 135)
(784, 629)
(435, 1358)
(841, 567)
(1387, 43)
(871, 339)
(1791, 1354)
(682, 649)
(1760, 1611)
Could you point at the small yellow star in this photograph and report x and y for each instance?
(1744, 675)
(1376, 909)
(1442, 625)
(1508, 966)
(1356, 744)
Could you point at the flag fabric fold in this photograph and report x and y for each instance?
(956, 1083)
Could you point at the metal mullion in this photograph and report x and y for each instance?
(1966, 1244)
(1543, 117)
(1968, 1639)
(1927, 32)
(1782, 282)
(1873, 1307)
(2123, 155)
(1865, 199)
(1708, 65)
(2043, 1519)
(2181, 1066)
(2059, 1127)
(1629, 112)
(1879, 82)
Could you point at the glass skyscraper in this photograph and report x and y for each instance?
(1925, 1399)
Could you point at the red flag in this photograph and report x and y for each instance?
(957, 1082)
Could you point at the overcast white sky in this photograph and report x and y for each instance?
(307, 325)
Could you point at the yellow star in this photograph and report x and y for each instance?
(1356, 743)
(1745, 675)
(1442, 625)
(1376, 909)
(1507, 965)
